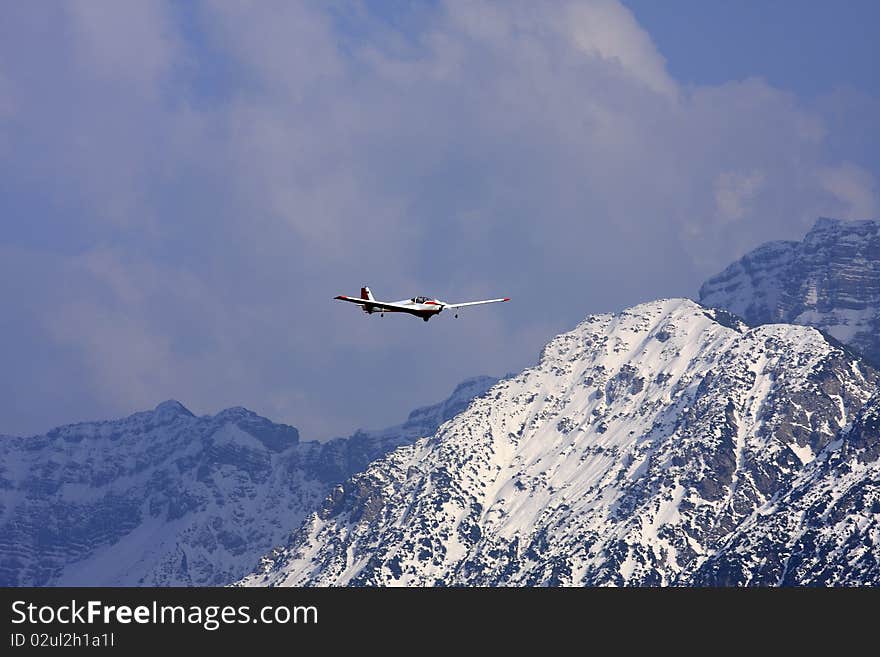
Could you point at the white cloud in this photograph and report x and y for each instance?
(609, 29)
(132, 43)
(854, 189)
(285, 48)
(596, 28)
(734, 191)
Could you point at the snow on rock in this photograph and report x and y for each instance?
(823, 529)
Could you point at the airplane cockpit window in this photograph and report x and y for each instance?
(420, 299)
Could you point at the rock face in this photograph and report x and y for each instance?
(167, 498)
(823, 529)
(650, 447)
(830, 280)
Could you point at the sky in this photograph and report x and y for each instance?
(185, 186)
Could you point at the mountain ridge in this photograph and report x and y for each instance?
(164, 497)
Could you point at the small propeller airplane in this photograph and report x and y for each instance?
(419, 306)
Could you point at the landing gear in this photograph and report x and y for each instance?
(426, 318)
(381, 314)
(456, 315)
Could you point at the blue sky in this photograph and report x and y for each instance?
(809, 47)
(186, 187)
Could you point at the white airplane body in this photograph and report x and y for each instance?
(423, 307)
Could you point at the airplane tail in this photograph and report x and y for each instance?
(366, 294)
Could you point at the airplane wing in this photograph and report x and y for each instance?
(372, 303)
(475, 303)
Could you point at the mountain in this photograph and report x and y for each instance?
(649, 447)
(830, 280)
(167, 498)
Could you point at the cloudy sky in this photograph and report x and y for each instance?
(185, 186)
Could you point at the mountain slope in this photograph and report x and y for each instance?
(824, 529)
(830, 280)
(634, 449)
(167, 498)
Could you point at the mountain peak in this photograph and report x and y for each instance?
(829, 280)
(170, 410)
(829, 223)
(652, 311)
(235, 412)
(172, 406)
(824, 223)
(653, 319)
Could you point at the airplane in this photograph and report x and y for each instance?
(423, 307)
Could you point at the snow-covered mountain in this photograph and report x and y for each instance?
(830, 280)
(665, 444)
(167, 498)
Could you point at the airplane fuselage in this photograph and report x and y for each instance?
(419, 306)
